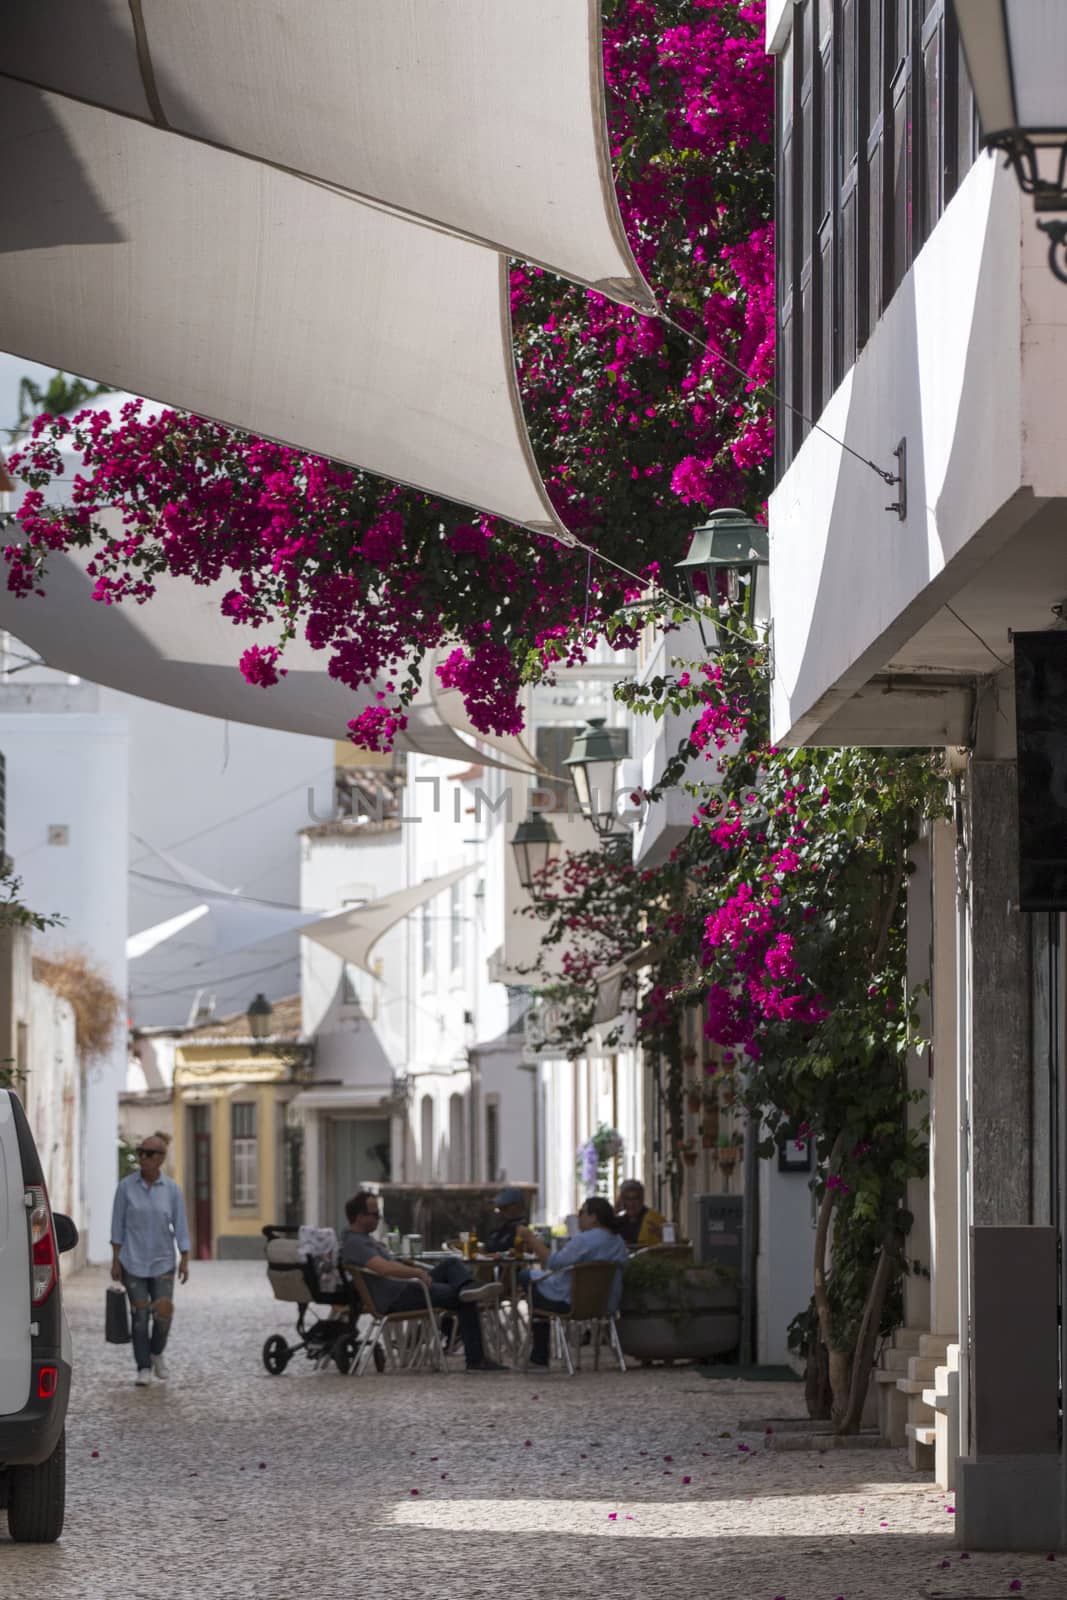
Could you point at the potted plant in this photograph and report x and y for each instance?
(693, 1098)
(729, 1152)
(677, 1310)
(595, 1154)
(727, 1089)
(687, 1149)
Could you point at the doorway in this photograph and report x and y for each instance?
(200, 1143)
(359, 1153)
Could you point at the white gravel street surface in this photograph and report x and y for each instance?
(226, 1482)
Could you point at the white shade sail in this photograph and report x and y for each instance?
(179, 649)
(484, 117)
(296, 220)
(239, 922)
(245, 294)
(352, 934)
(139, 945)
(301, 226)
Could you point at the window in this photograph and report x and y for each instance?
(427, 942)
(552, 746)
(457, 1139)
(244, 1186)
(455, 927)
(875, 128)
(427, 1162)
(492, 1141)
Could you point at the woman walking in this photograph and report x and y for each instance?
(148, 1227)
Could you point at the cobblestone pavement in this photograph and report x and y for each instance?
(227, 1482)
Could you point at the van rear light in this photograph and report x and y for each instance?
(42, 1243)
(47, 1382)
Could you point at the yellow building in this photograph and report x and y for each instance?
(236, 1158)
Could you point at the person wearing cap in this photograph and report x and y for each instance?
(511, 1210)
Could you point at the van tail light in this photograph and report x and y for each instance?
(42, 1243)
(47, 1382)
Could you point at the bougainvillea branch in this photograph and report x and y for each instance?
(632, 424)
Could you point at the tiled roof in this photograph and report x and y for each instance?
(284, 1024)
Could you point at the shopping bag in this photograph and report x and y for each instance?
(117, 1316)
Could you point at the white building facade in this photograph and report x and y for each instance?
(919, 326)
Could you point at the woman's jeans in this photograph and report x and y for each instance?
(155, 1297)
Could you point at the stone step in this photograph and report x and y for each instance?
(922, 1367)
(907, 1339)
(922, 1432)
(936, 1399)
(894, 1360)
(935, 1344)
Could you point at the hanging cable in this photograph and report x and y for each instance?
(887, 477)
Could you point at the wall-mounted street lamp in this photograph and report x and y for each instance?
(535, 844)
(260, 1016)
(1016, 53)
(727, 569)
(592, 764)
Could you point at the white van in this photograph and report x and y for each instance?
(35, 1349)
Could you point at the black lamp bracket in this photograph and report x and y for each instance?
(1057, 249)
(1022, 155)
(1048, 193)
(899, 482)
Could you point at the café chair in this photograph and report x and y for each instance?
(408, 1339)
(592, 1283)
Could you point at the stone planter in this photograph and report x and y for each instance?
(675, 1311)
(665, 1336)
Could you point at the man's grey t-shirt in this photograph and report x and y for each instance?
(360, 1250)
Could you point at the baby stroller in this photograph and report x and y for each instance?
(302, 1271)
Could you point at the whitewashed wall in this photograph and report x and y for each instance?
(965, 366)
(54, 1100)
(68, 770)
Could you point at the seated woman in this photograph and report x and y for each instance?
(596, 1240)
(639, 1226)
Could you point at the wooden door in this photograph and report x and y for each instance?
(202, 1220)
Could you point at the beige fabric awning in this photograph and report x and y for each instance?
(180, 649)
(352, 934)
(297, 222)
(609, 982)
(483, 117)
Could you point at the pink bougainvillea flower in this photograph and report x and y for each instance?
(687, 1480)
(1015, 1585)
(613, 1516)
(413, 1491)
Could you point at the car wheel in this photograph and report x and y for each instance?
(36, 1499)
(275, 1354)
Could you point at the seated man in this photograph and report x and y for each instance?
(450, 1283)
(511, 1210)
(639, 1226)
(596, 1240)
